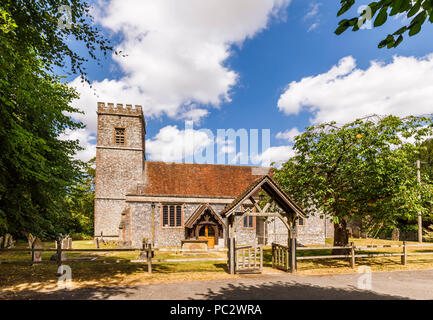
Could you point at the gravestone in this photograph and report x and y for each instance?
(349, 232)
(9, 241)
(30, 239)
(395, 235)
(69, 243)
(66, 243)
(54, 257)
(356, 232)
(38, 254)
(5, 240)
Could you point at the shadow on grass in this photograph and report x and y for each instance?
(87, 293)
(26, 279)
(291, 291)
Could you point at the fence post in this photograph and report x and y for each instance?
(149, 258)
(59, 252)
(273, 255)
(261, 258)
(232, 256)
(404, 256)
(293, 265)
(352, 255)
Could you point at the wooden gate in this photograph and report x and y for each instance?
(249, 259)
(284, 257)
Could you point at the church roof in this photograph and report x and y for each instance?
(199, 212)
(272, 188)
(197, 180)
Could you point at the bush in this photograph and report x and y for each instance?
(81, 236)
(428, 233)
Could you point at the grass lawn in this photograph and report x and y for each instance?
(118, 271)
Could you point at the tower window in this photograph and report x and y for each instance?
(120, 135)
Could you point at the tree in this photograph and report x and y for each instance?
(41, 27)
(363, 170)
(417, 12)
(426, 157)
(37, 168)
(79, 203)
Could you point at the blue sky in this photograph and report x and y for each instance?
(255, 50)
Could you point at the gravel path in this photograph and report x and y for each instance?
(384, 285)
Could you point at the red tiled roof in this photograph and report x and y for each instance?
(201, 180)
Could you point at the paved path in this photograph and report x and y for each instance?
(385, 285)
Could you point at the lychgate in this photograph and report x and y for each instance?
(276, 203)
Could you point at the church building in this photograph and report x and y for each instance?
(173, 203)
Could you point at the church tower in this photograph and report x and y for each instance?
(120, 159)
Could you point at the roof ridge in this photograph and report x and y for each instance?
(207, 164)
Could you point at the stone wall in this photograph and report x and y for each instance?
(245, 236)
(312, 232)
(118, 167)
(164, 237)
(108, 216)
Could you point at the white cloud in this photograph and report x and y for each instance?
(344, 93)
(288, 135)
(279, 155)
(175, 53)
(313, 27)
(236, 158)
(86, 141)
(171, 144)
(227, 149)
(313, 10)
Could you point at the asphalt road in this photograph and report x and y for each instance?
(384, 285)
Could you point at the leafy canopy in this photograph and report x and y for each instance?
(363, 169)
(37, 168)
(416, 11)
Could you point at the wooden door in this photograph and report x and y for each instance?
(207, 233)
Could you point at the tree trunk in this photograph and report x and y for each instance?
(341, 237)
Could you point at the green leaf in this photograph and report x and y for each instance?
(345, 6)
(381, 17)
(398, 41)
(415, 29)
(400, 31)
(382, 44)
(414, 9)
(396, 7)
(390, 41)
(341, 28)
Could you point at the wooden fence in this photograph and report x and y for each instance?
(280, 257)
(146, 251)
(280, 254)
(351, 252)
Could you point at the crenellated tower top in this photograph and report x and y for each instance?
(119, 109)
